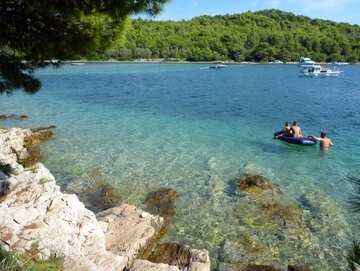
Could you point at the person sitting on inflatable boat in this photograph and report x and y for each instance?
(296, 130)
(286, 131)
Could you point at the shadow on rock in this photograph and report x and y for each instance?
(4, 186)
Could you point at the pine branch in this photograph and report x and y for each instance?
(353, 256)
(354, 201)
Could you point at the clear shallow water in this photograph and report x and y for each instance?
(182, 126)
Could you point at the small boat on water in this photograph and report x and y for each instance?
(303, 141)
(318, 71)
(305, 61)
(276, 62)
(218, 65)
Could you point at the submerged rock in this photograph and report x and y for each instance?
(163, 202)
(297, 268)
(172, 254)
(263, 206)
(274, 227)
(38, 135)
(103, 198)
(30, 157)
(325, 214)
(181, 256)
(267, 217)
(100, 197)
(245, 246)
(2, 117)
(282, 215)
(229, 267)
(260, 268)
(94, 192)
(254, 183)
(236, 267)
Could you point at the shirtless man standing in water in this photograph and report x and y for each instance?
(325, 142)
(295, 130)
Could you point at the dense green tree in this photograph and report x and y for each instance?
(34, 32)
(261, 36)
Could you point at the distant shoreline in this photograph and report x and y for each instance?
(155, 61)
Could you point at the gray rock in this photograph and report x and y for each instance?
(128, 233)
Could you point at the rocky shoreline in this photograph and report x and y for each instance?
(94, 230)
(34, 213)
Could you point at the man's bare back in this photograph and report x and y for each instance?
(296, 130)
(325, 142)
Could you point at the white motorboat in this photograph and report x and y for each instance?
(305, 61)
(276, 62)
(218, 65)
(318, 71)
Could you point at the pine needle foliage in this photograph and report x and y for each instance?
(355, 200)
(353, 256)
(35, 34)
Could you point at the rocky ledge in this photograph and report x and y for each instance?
(34, 213)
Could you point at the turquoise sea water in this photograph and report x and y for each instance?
(140, 127)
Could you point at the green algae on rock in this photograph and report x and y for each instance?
(273, 227)
(163, 202)
(253, 183)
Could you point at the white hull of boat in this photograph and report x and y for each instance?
(318, 71)
(332, 74)
(219, 66)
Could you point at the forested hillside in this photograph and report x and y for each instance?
(260, 36)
